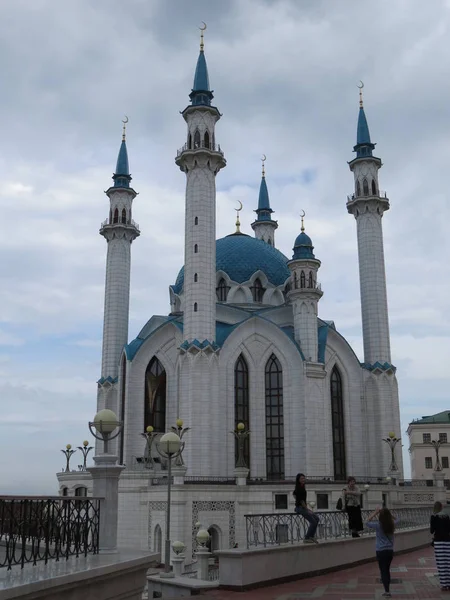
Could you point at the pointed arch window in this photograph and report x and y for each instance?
(195, 277)
(242, 403)
(295, 280)
(337, 423)
(374, 188)
(190, 142)
(155, 396)
(257, 291)
(197, 139)
(274, 419)
(124, 215)
(110, 216)
(196, 221)
(310, 280)
(195, 249)
(206, 139)
(222, 290)
(195, 307)
(116, 216)
(302, 279)
(365, 187)
(358, 188)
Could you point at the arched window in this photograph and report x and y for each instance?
(81, 491)
(257, 291)
(190, 142)
(110, 216)
(195, 249)
(269, 241)
(155, 396)
(64, 491)
(302, 279)
(310, 280)
(124, 215)
(295, 280)
(358, 188)
(157, 545)
(274, 419)
(365, 187)
(374, 188)
(196, 221)
(195, 307)
(222, 290)
(197, 139)
(116, 216)
(195, 277)
(337, 423)
(206, 140)
(241, 403)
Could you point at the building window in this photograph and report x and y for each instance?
(195, 307)
(190, 142)
(295, 280)
(195, 277)
(443, 438)
(155, 396)
(196, 221)
(365, 187)
(222, 291)
(195, 248)
(302, 279)
(257, 291)
(310, 280)
(428, 462)
(281, 502)
(242, 403)
(64, 491)
(206, 143)
(322, 501)
(197, 139)
(426, 438)
(116, 216)
(374, 188)
(444, 461)
(337, 422)
(358, 189)
(81, 491)
(124, 215)
(274, 419)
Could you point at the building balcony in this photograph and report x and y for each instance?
(122, 222)
(199, 148)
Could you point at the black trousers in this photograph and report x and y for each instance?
(384, 558)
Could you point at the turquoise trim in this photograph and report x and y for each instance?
(382, 366)
(108, 379)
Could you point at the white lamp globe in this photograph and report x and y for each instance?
(170, 443)
(202, 537)
(367, 486)
(178, 548)
(105, 421)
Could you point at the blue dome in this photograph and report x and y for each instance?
(303, 247)
(240, 256)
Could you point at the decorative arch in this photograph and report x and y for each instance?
(374, 188)
(310, 280)
(116, 216)
(274, 419)
(257, 290)
(157, 539)
(190, 142)
(365, 187)
(124, 215)
(64, 491)
(155, 396)
(338, 424)
(196, 139)
(206, 139)
(242, 402)
(295, 280)
(81, 491)
(215, 538)
(222, 290)
(358, 188)
(302, 279)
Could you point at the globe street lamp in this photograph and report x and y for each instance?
(392, 440)
(85, 449)
(169, 446)
(103, 425)
(179, 462)
(149, 436)
(68, 454)
(436, 445)
(241, 436)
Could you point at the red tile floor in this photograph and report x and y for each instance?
(414, 575)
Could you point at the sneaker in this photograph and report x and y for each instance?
(387, 595)
(308, 541)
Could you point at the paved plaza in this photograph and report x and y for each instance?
(414, 576)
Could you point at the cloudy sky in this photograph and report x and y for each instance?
(284, 74)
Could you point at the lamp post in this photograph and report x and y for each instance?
(169, 447)
(179, 462)
(149, 436)
(103, 425)
(68, 454)
(392, 440)
(436, 445)
(241, 436)
(85, 449)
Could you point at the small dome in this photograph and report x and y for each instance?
(303, 247)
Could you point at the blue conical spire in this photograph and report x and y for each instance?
(263, 211)
(121, 175)
(363, 146)
(201, 93)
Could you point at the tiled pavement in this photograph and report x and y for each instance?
(414, 576)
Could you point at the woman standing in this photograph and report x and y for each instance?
(384, 527)
(352, 503)
(301, 508)
(440, 526)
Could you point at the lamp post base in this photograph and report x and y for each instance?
(169, 575)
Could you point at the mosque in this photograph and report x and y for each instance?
(243, 343)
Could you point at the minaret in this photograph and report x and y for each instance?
(305, 294)
(367, 205)
(264, 227)
(201, 159)
(119, 230)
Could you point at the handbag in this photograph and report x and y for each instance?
(339, 504)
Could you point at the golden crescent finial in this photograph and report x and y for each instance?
(238, 223)
(302, 214)
(360, 87)
(124, 121)
(202, 29)
(263, 160)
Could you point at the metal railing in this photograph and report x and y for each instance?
(287, 528)
(379, 194)
(127, 223)
(213, 480)
(211, 147)
(43, 528)
(415, 482)
(327, 480)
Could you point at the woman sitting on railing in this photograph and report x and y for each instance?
(301, 508)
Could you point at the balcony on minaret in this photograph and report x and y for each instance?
(115, 222)
(195, 146)
(367, 195)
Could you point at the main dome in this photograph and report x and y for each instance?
(240, 256)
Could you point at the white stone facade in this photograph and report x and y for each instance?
(265, 231)
(421, 451)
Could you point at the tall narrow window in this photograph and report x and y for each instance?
(365, 187)
(222, 291)
(197, 139)
(302, 279)
(269, 241)
(195, 307)
(123, 376)
(358, 189)
(374, 188)
(195, 277)
(274, 419)
(241, 403)
(257, 291)
(124, 215)
(195, 249)
(190, 142)
(310, 280)
(196, 221)
(295, 280)
(110, 216)
(206, 144)
(155, 396)
(337, 423)
(116, 216)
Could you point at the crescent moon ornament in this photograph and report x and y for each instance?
(125, 121)
(264, 158)
(361, 85)
(204, 26)
(240, 206)
(302, 214)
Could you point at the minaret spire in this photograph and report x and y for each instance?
(264, 227)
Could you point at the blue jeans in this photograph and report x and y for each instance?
(312, 519)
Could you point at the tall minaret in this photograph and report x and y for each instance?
(201, 159)
(264, 227)
(367, 205)
(119, 230)
(305, 294)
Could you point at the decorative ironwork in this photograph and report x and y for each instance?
(85, 449)
(282, 528)
(178, 429)
(228, 506)
(43, 528)
(149, 436)
(392, 441)
(68, 454)
(241, 436)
